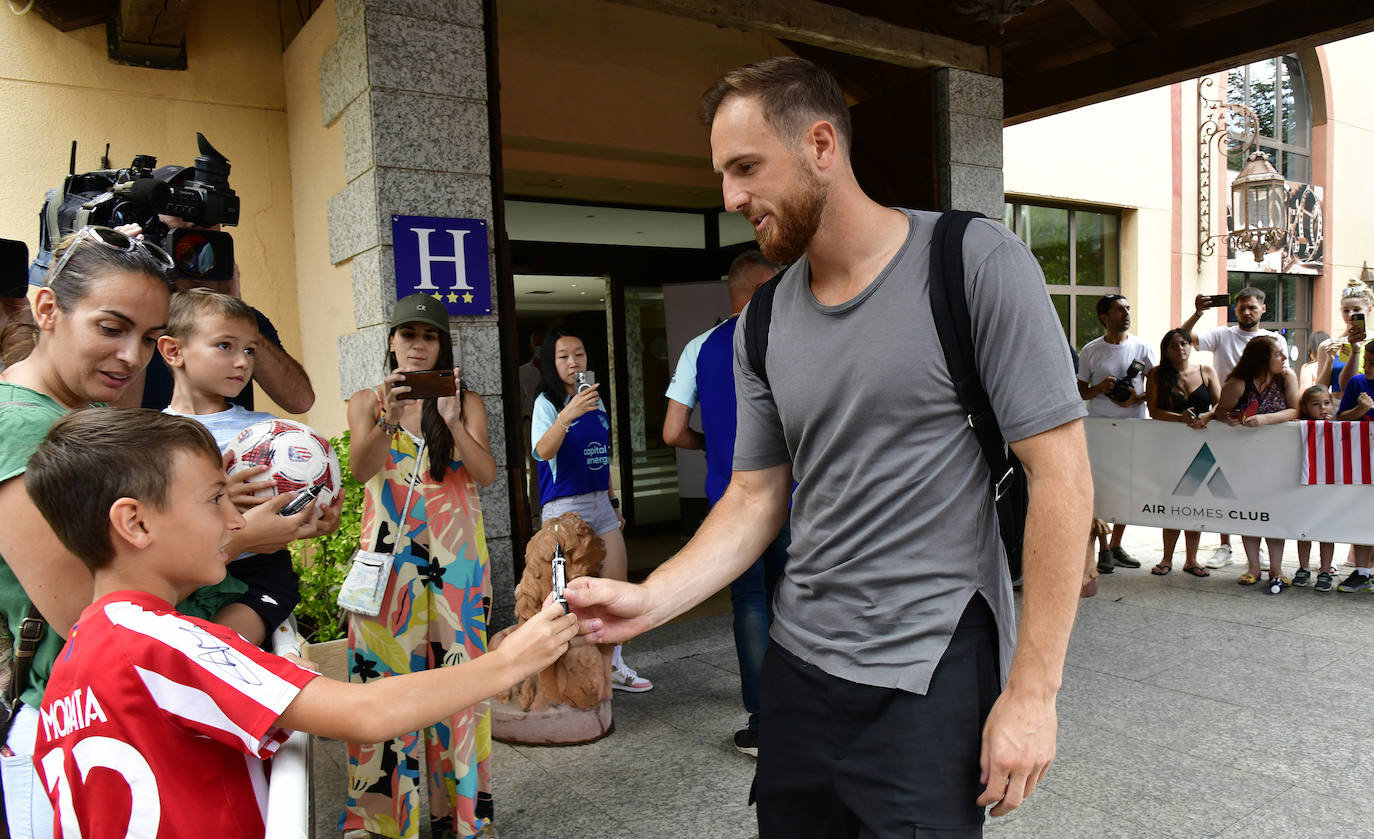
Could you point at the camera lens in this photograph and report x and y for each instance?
(194, 254)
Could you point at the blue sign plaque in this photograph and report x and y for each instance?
(445, 258)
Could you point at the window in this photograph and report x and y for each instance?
(1080, 253)
(1288, 306)
(1276, 88)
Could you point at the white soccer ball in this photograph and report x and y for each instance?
(297, 457)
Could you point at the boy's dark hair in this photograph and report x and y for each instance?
(189, 307)
(794, 94)
(93, 457)
(1250, 291)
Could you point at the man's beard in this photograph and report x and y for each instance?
(795, 223)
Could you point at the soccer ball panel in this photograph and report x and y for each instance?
(297, 457)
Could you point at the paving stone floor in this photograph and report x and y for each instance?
(1190, 708)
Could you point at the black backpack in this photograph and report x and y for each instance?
(1007, 478)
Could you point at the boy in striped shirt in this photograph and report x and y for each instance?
(155, 724)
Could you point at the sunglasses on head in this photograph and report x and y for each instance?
(112, 239)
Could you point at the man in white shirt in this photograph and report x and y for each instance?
(1111, 377)
(1226, 343)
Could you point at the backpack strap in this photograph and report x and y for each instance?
(756, 323)
(31, 631)
(949, 304)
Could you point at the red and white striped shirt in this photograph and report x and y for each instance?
(1336, 452)
(155, 724)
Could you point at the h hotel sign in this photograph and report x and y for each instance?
(445, 258)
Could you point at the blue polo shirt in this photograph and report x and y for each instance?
(583, 461)
(705, 376)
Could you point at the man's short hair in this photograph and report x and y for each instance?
(794, 94)
(1104, 303)
(747, 260)
(1250, 291)
(93, 457)
(190, 307)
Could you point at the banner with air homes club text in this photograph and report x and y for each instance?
(1245, 481)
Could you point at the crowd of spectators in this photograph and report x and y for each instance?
(1249, 384)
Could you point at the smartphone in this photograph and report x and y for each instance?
(584, 379)
(1219, 300)
(304, 497)
(428, 384)
(1357, 322)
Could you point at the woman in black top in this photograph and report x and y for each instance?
(1177, 391)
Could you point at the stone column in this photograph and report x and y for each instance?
(409, 81)
(968, 142)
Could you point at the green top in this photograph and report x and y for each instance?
(25, 417)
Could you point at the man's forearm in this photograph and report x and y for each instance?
(735, 533)
(1057, 522)
(283, 379)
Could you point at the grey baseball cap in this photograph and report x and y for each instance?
(420, 308)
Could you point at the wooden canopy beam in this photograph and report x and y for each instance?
(1218, 44)
(831, 27)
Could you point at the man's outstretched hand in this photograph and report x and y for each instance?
(608, 611)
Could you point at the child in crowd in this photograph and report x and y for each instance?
(1316, 405)
(210, 346)
(167, 705)
(1357, 399)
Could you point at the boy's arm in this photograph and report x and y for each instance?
(387, 708)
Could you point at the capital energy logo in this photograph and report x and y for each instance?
(1204, 470)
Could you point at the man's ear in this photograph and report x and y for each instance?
(128, 523)
(822, 144)
(171, 351)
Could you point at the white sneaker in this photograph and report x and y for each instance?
(625, 678)
(1221, 557)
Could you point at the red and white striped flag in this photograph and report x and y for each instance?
(1336, 452)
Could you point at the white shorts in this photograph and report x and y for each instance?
(594, 508)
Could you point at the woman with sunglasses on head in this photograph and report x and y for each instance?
(99, 314)
(571, 438)
(421, 460)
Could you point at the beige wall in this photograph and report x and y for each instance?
(56, 87)
(1350, 63)
(317, 173)
(1114, 155)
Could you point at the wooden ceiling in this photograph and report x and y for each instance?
(1057, 55)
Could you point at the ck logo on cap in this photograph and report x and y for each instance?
(420, 307)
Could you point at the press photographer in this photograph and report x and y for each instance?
(183, 209)
(1111, 376)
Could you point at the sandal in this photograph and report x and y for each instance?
(1196, 571)
(1161, 569)
(1248, 579)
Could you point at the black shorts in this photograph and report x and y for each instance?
(841, 759)
(273, 587)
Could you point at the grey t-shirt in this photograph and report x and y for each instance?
(893, 525)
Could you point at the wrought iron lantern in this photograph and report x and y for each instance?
(1259, 210)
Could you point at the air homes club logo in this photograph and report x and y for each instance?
(1204, 473)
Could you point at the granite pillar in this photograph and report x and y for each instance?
(408, 79)
(967, 112)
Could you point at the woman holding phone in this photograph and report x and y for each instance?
(1334, 356)
(421, 461)
(571, 438)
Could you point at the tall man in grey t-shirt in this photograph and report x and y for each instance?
(893, 624)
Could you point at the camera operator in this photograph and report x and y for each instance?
(282, 377)
(1111, 376)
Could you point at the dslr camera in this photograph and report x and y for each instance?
(138, 194)
(1121, 391)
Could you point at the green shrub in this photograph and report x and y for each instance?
(322, 562)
